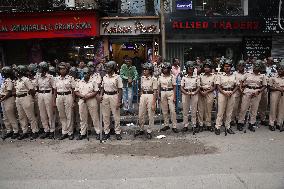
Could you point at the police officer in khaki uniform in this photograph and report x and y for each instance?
(86, 89)
(149, 86)
(73, 72)
(45, 83)
(111, 99)
(227, 86)
(32, 75)
(8, 103)
(63, 86)
(25, 103)
(252, 87)
(190, 86)
(238, 95)
(206, 97)
(276, 113)
(167, 88)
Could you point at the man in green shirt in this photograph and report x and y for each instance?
(129, 76)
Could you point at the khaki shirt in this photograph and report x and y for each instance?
(239, 77)
(190, 82)
(252, 80)
(149, 83)
(86, 87)
(112, 84)
(6, 86)
(226, 81)
(276, 81)
(96, 77)
(45, 83)
(64, 84)
(167, 82)
(23, 85)
(206, 82)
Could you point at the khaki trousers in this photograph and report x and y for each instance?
(237, 106)
(46, 111)
(205, 104)
(276, 108)
(86, 108)
(263, 105)
(26, 112)
(247, 102)
(167, 103)
(64, 105)
(109, 104)
(9, 115)
(225, 110)
(189, 102)
(145, 105)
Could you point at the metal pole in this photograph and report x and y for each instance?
(163, 32)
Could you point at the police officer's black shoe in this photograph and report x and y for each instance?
(138, 133)
(240, 126)
(271, 128)
(112, 131)
(281, 128)
(45, 135)
(185, 129)
(15, 135)
(97, 136)
(165, 128)
(62, 137)
(230, 131)
(175, 130)
(51, 135)
(149, 136)
(251, 127)
(194, 130)
(278, 127)
(71, 137)
(211, 129)
(118, 137)
(23, 136)
(34, 136)
(106, 136)
(81, 137)
(7, 135)
(217, 131)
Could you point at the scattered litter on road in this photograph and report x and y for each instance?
(161, 136)
(271, 139)
(169, 143)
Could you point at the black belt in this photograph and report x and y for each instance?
(44, 91)
(22, 95)
(110, 93)
(190, 90)
(250, 87)
(205, 89)
(228, 89)
(147, 92)
(64, 93)
(167, 89)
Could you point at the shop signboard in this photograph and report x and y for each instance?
(48, 25)
(183, 5)
(129, 26)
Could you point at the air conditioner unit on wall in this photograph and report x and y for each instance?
(58, 3)
(70, 3)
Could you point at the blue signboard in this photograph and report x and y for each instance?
(183, 5)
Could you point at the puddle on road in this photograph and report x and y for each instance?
(158, 148)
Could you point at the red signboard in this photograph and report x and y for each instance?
(75, 24)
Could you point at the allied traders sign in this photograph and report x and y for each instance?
(129, 26)
(215, 25)
(48, 25)
(183, 5)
